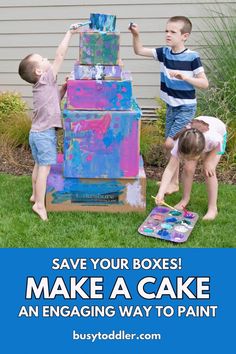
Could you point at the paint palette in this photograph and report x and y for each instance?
(169, 225)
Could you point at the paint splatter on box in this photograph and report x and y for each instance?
(169, 225)
(99, 95)
(101, 144)
(97, 72)
(99, 48)
(91, 194)
(102, 22)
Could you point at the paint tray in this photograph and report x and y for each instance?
(169, 225)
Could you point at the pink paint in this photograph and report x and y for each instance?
(99, 95)
(187, 214)
(60, 158)
(89, 158)
(130, 153)
(99, 126)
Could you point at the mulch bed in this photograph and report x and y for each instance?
(19, 162)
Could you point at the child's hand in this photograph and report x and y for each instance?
(209, 170)
(177, 75)
(133, 28)
(74, 28)
(159, 199)
(63, 88)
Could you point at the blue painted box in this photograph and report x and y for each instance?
(102, 22)
(95, 195)
(101, 144)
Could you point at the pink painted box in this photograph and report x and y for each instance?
(99, 95)
(101, 144)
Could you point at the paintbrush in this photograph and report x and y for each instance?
(77, 25)
(164, 203)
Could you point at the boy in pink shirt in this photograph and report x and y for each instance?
(204, 137)
(46, 117)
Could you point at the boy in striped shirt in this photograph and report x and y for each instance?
(181, 73)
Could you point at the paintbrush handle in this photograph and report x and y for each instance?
(169, 206)
(164, 203)
(77, 25)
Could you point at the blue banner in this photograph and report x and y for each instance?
(120, 300)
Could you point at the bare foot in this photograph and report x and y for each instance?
(32, 199)
(181, 205)
(172, 188)
(210, 215)
(41, 212)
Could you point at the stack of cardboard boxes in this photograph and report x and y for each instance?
(101, 169)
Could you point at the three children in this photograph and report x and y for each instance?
(181, 73)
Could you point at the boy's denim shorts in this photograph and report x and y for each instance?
(44, 146)
(177, 118)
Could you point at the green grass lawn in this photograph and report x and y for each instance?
(20, 227)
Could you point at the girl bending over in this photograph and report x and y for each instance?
(204, 137)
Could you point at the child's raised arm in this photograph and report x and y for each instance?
(137, 45)
(61, 51)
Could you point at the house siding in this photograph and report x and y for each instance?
(39, 27)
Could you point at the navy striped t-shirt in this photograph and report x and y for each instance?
(173, 91)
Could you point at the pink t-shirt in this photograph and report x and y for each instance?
(214, 137)
(46, 103)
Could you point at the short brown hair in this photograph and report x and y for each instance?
(27, 69)
(187, 24)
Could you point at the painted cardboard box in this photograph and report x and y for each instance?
(99, 95)
(102, 22)
(97, 72)
(95, 195)
(99, 48)
(101, 144)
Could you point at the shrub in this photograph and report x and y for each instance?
(152, 138)
(15, 133)
(11, 102)
(220, 99)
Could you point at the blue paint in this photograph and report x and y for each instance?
(102, 22)
(172, 220)
(164, 234)
(95, 150)
(166, 226)
(175, 213)
(148, 230)
(87, 193)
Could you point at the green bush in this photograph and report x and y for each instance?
(152, 138)
(11, 102)
(15, 133)
(14, 120)
(220, 53)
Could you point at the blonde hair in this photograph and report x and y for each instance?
(27, 69)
